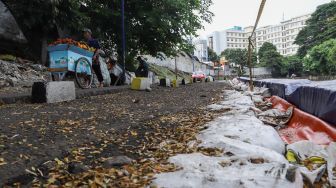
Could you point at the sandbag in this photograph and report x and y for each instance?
(313, 161)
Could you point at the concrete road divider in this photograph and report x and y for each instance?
(209, 79)
(176, 83)
(165, 82)
(140, 83)
(53, 92)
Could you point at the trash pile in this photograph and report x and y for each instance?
(253, 154)
(314, 97)
(315, 162)
(20, 74)
(246, 159)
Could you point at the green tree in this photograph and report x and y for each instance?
(269, 57)
(265, 48)
(42, 20)
(320, 27)
(321, 60)
(239, 58)
(212, 56)
(152, 27)
(292, 65)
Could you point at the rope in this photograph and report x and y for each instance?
(261, 8)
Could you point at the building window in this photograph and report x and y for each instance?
(211, 42)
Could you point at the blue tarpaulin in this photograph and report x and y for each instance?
(316, 98)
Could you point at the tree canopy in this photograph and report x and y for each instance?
(266, 47)
(152, 27)
(270, 57)
(321, 59)
(292, 65)
(239, 58)
(212, 56)
(320, 27)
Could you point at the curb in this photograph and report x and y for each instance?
(80, 93)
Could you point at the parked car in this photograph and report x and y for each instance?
(198, 76)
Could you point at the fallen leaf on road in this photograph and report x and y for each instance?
(134, 133)
(2, 161)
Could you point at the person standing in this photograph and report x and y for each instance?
(95, 59)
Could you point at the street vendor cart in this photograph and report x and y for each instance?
(69, 58)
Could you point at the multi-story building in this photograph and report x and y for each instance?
(201, 50)
(234, 38)
(216, 41)
(282, 35)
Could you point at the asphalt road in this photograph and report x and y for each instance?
(31, 135)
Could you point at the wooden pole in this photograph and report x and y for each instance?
(123, 36)
(175, 69)
(249, 61)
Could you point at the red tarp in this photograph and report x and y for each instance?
(304, 126)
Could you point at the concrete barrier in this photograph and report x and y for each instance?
(140, 83)
(165, 82)
(209, 79)
(176, 83)
(53, 92)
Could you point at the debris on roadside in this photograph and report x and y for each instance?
(20, 75)
(315, 163)
(276, 117)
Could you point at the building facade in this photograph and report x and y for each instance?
(282, 35)
(234, 38)
(216, 41)
(201, 50)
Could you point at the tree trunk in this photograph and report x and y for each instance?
(44, 52)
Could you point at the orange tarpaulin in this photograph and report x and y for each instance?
(304, 126)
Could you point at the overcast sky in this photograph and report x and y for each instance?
(229, 13)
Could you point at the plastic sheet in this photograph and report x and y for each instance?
(252, 153)
(199, 171)
(332, 164)
(282, 87)
(304, 126)
(319, 158)
(317, 98)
